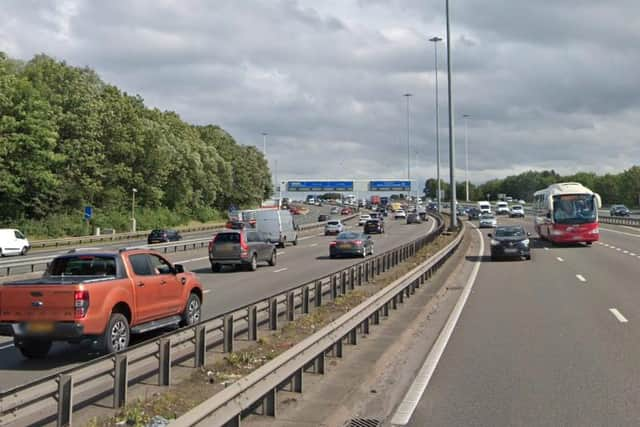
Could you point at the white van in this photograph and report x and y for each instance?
(13, 242)
(484, 206)
(502, 208)
(277, 225)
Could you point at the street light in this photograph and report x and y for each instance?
(133, 209)
(264, 144)
(452, 149)
(466, 155)
(407, 96)
(435, 41)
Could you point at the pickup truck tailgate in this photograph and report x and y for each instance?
(36, 302)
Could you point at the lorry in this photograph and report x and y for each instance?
(277, 225)
(375, 200)
(100, 296)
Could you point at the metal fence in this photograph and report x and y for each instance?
(54, 397)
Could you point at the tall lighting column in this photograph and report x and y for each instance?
(452, 139)
(435, 41)
(466, 156)
(407, 96)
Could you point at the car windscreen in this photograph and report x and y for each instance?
(348, 236)
(510, 232)
(83, 265)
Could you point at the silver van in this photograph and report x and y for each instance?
(277, 225)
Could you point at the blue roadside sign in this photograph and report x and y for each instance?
(88, 213)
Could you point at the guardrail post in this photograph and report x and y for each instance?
(305, 300)
(353, 337)
(376, 317)
(352, 278)
(317, 299)
(365, 326)
(378, 265)
(412, 287)
(394, 302)
(408, 290)
(366, 272)
(334, 287)
(401, 297)
(199, 357)
(343, 283)
(65, 400)
(296, 381)
(337, 348)
(252, 320)
(228, 333)
(360, 274)
(273, 313)
(269, 403)
(385, 309)
(318, 364)
(164, 367)
(120, 380)
(291, 306)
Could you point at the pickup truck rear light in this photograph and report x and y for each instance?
(211, 244)
(332, 243)
(81, 304)
(358, 242)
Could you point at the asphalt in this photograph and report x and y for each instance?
(548, 342)
(224, 292)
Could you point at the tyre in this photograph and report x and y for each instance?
(32, 348)
(589, 243)
(295, 242)
(24, 250)
(253, 265)
(2, 253)
(216, 268)
(117, 334)
(192, 311)
(273, 260)
(332, 256)
(528, 257)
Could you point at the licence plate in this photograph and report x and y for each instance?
(511, 251)
(344, 246)
(40, 327)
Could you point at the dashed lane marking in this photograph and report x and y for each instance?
(560, 259)
(313, 245)
(192, 260)
(206, 291)
(618, 315)
(280, 270)
(4, 347)
(581, 278)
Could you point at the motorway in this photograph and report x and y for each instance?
(224, 291)
(549, 342)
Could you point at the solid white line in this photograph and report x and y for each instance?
(280, 269)
(560, 259)
(4, 347)
(581, 277)
(206, 291)
(618, 315)
(619, 232)
(414, 394)
(313, 245)
(192, 260)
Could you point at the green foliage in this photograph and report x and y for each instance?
(68, 140)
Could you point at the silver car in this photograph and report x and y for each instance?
(488, 221)
(334, 226)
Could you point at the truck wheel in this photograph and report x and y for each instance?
(23, 251)
(295, 242)
(253, 266)
(192, 312)
(32, 348)
(116, 336)
(273, 259)
(216, 268)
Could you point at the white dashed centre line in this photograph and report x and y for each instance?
(618, 315)
(4, 347)
(632, 254)
(618, 249)
(206, 291)
(581, 278)
(313, 245)
(560, 259)
(625, 252)
(280, 270)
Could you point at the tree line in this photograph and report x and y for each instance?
(623, 187)
(69, 140)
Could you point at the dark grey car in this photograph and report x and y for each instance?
(241, 247)
(351, 243)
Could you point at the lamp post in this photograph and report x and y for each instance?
(133, 209)
(407, 96)
(466, 156)
(264, 144)
(452, 139)
(435, 41)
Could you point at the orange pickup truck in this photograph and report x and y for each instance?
(101, 295)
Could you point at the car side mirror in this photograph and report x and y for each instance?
(528, 234)
(178, 268)
(489, 235)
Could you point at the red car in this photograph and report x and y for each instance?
(295, 210)
(346, 211)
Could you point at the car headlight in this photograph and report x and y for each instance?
(494, 242)
(525, 242)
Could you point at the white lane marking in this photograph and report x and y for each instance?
(206, 291)
(313, 245)
(618, 249)
(414, 394)
(192, 260)
(306, 237)
(560, 259)
(280, 269)
(632, 254)
(4, 347)
(546, 248)
(281, 253)
(581, 277)
(619, 232)
(625, 252)
(618, 315)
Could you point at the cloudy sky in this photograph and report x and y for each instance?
(548, 84)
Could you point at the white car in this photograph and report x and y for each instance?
(502, 208)
(334, 226)
(400, 213)
(488, 221)
(363, 219)
(517, 211)
(13, 242)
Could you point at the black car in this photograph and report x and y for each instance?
(473, 213)
(619, 210)
(163, 236)
(373, 226)
(413, 218)
(510, 242)
(323, 218)
(351, 243)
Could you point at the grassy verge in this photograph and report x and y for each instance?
(206, 382)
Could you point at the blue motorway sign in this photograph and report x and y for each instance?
(327, 186)
(88, 213)
(389, 185)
